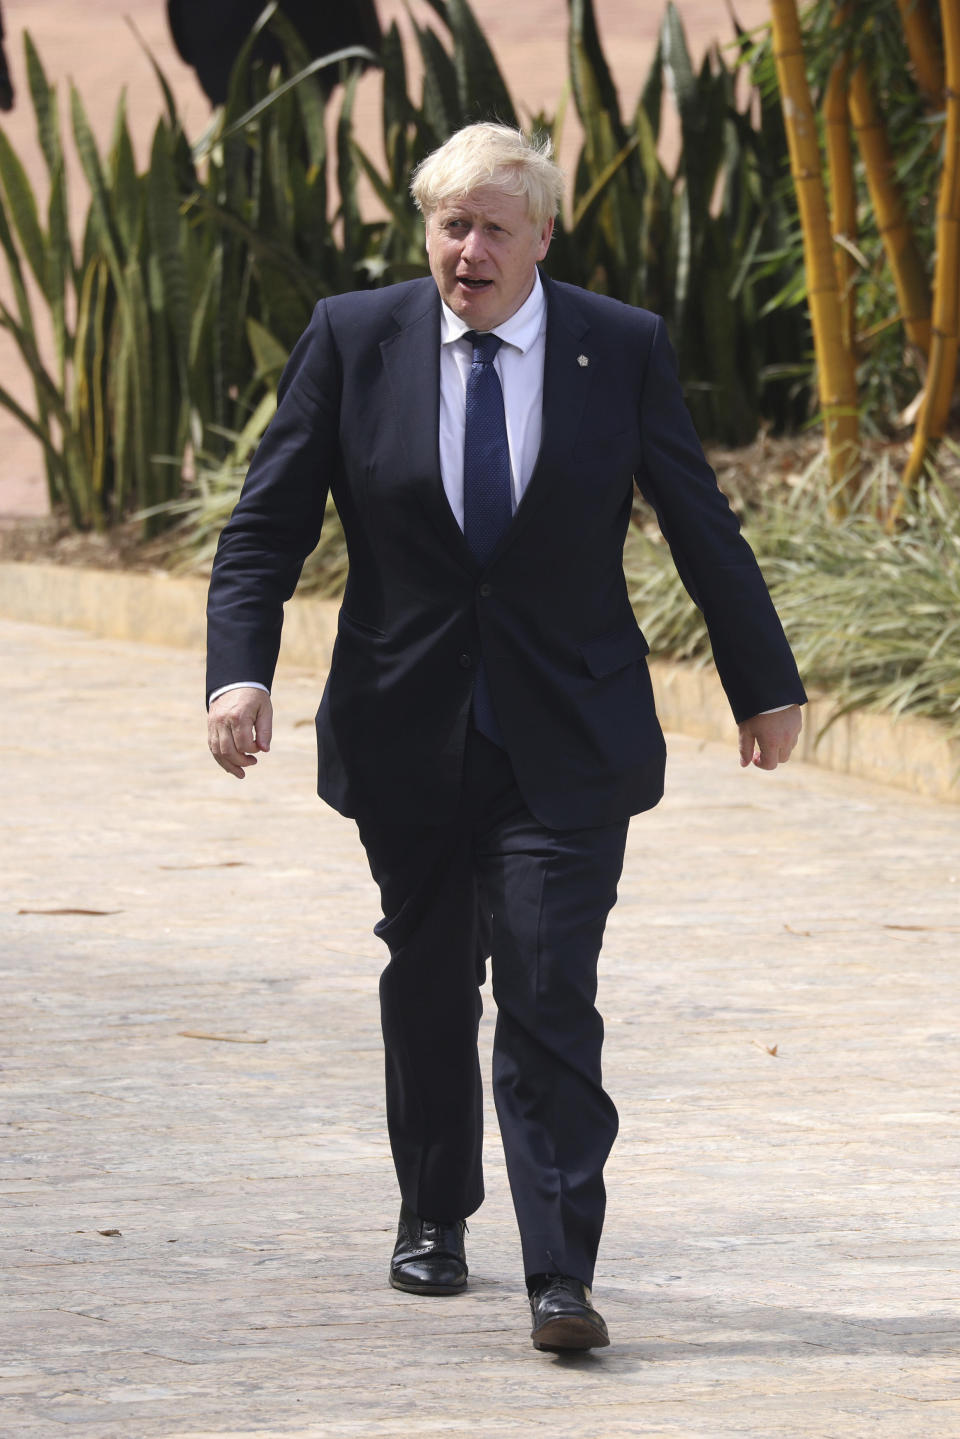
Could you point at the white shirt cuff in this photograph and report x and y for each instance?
(238, 685)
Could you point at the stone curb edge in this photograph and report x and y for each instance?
(164, 609)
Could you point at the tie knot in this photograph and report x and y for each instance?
(485, 346)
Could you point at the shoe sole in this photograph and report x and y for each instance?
(408, 1287)
(568, 1332)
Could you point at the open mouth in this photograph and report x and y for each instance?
(470, 283)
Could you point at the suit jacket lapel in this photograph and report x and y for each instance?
(567, 382)
(411, 360)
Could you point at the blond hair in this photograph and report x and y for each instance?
(488, 154)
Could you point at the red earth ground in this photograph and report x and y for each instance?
(92, 44)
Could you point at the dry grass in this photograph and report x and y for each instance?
(873, 618)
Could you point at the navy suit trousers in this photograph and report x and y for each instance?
(495, 882)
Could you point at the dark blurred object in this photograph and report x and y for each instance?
(6, 84)
(210, 33)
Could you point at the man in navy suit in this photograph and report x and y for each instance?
(488, 718)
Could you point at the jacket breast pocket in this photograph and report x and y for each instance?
(611, 652)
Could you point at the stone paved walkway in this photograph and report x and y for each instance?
(195, 1231)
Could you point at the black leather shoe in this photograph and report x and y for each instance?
(429, 1255)
(563, 1317)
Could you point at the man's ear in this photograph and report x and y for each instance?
(546, 235)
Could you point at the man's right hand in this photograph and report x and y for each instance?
(239, 723)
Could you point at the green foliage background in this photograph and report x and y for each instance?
(195, 277)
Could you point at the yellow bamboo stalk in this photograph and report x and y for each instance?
(843, 193)
(835, 369)
(942, 373)
(903, 253)
(924, 48)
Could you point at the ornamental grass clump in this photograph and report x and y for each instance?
(873, 617)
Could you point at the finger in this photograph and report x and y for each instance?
(223, 761)
(241, 733)
(230, 768)
(746, 746)
(264, 725)
(225, 751)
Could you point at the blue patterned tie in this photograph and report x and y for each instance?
(487, 489)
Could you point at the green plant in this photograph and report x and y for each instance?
(193, 280)
(897, 217)
(173, 315)
(873, 617)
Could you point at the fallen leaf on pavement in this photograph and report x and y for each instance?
(216, 864)
(69, 911)
(221, 1038)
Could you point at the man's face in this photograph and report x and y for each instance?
(483, 250)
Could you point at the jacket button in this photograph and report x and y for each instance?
(465, 661)
(485, 591)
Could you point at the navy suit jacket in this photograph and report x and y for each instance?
(358, 415)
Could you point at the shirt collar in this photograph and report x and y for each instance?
(520, 330)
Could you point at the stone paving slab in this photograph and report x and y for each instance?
(779, 979)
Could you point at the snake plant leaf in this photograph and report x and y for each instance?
(336, 57)
(22, 207)
(167, 229)
(238, 89)
(308, 91)
(39, 432)
(593, 87)
(125, 184)
(349, 210)
(135, 319)
(442, 9)
(26, 324)
(397, 110)
(587, 205)
(100, 207)
(677, 66)
(397, 204)
(651, 96)
(44, 381)
(440, 103)
(45, 107)
(58, 257)
(481, 88)
(265, 249)
(173, 117)
(614, 254)
(87, 402)
(313, 237)
(269, 354)
(701, 103)
(164, 418)
(277, 191)
(16, 271)
(733, 417)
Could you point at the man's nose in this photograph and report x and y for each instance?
(474, 245)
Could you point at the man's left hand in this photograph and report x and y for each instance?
(768, 740)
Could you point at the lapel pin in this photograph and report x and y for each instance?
(582, 361)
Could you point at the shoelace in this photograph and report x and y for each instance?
(430, 1229)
